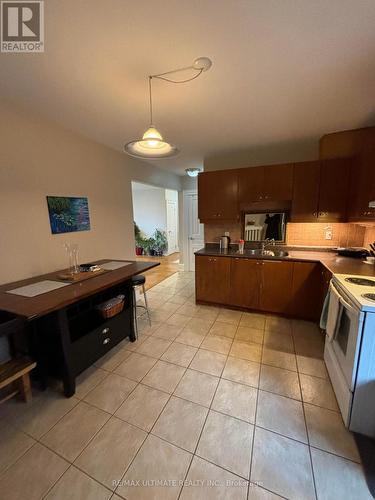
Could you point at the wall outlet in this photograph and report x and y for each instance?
(328, 234)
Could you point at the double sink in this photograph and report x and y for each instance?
(258, 252)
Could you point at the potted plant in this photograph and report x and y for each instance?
(161, 242)
(150, 246)
(138, 240)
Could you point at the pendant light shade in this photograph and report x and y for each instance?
(151, 146)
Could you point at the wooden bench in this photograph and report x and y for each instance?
(17, 372)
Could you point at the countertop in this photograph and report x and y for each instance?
(40, 305)
(329, 259)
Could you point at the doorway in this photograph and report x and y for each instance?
(194, 229)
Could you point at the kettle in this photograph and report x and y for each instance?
(224, 242)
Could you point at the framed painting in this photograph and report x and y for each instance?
(67, 214)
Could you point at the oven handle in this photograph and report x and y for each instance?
(346, 304)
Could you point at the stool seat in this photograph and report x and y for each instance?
(138, 279)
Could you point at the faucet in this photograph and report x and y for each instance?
(267, 242)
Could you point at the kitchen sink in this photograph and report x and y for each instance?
(258, 252)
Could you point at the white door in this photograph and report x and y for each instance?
(195, 230)
(172, 226)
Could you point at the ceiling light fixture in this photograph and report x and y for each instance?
(192, 172)
(152, 146)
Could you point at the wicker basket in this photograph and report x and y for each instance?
(111, 307)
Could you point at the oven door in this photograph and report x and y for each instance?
(347, 339)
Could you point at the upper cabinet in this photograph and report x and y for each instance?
(268, 183)
(320, 191)
(218, 196)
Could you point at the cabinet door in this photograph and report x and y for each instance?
(306, 290)
(250, 185)
(334, 188)
(244, 283)
(276, 286)
(305, 192)
(278, 182)
(362, 188)
(218, 195)
(212, 278)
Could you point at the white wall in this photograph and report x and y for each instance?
(40, 158)
(149, 208)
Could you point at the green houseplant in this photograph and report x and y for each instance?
(161, 242)
(139, 240)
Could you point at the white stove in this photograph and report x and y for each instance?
(349, 352)
(361, 290)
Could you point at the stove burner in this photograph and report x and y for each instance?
(369, 296)
(360, 281)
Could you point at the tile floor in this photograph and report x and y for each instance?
(208, 404)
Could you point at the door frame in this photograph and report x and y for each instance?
(185, 242)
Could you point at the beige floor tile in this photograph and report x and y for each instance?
(156, 460)
(253, 320)
(13, 444)
(246, 350)
(327, 432)
(248, 334)
(75, 485)
(282, 415)
(176, 299)
(113, 358)
(236, 400)
(278, 341)
(312, 366)
(221, 345)
(167, 332)
(280, 359)
(318, 392)
(178, 319)
(207, 312)
(153, 347)
(228, 316)
(309, 348)
(189, 309)
(206, 481)
(144, 327)
(164, 376)
(168, 306)
(181, 423)
(223, 329)
(89, 379)
(39, 416)
(256, 492)
(135, 367)
(336, 477)
(159, 316)
(179, 354)
(199, 326)
(305, 329)
(133, 346)
(242, 371)
(74, 431)
(279, 381)
(111, 451)
(32, 475)
(189, 338)
(208, 362)
(282, 465)
(278, 325)
(143, 407)
(197, 387)
(110, 393)
(227, 441)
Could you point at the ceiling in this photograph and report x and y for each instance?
(283, 71)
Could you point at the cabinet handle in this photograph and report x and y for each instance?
(261, 197)
(266, 197)
(106, 341)
(105, 331)
(315, 214)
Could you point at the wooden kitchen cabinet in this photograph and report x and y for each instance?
(334, 189)
(266, 183)
(362, 189)
(245, 282)
(276, 286)
(218, 196)
(305, 192)
(306, 296)
(212, 279)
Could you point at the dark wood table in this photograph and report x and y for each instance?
(66, 333)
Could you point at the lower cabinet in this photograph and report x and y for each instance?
(212, 279)
(287, 288)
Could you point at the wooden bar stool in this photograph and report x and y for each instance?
(139, 280)
(17, 372)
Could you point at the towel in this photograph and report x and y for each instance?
(334, 312)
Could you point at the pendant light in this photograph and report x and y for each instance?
(152, 146)
(193, 171)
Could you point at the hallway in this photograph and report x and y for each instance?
(168, 265)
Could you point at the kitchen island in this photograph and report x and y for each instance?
(64, 330)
